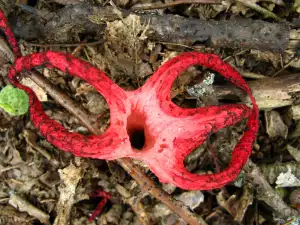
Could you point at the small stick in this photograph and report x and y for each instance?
(63, 45)
(285, 66)
(62, 99)
(24, 206)
(149, 6)
(78, 48)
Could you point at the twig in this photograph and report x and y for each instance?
(78, 48)
(149, 6)
(63, 45)
(62, 99)
(10, 168)
(136, 173)
(138, 208)
(285, 66)
(135, 203)
(24, 206)
(252, 75)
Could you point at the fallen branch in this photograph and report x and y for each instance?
(256, 34)
(269, 93)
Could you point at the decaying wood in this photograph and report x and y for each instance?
(239, 33)
(269, 93)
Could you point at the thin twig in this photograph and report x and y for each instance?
(11, 168)
(63, 45)
(149, 6)
(285, 66)
(24, 206)
(62, 99)
(252, 75)
(78, 48)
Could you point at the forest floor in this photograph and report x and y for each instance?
(129, 40)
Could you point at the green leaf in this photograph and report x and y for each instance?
(14, 101)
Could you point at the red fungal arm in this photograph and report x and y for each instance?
(9, 34)
(145, 124)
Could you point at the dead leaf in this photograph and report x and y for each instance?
(40, 93)
(125, 48)
(295, 152)
(70, 177)
(274, 124)
(192, 199)
(31, 139)
(294, 112)
(287, 179)
(237, 206)
(239, 8)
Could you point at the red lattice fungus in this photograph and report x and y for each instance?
(145, 124)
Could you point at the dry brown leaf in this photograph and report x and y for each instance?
(70, 177)
(237, 206)
(40, 93)
(274, 124)
(295, 152)
(239, 8)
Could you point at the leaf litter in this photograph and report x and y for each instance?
(125, 57)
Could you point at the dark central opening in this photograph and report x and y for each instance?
(137, 139)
